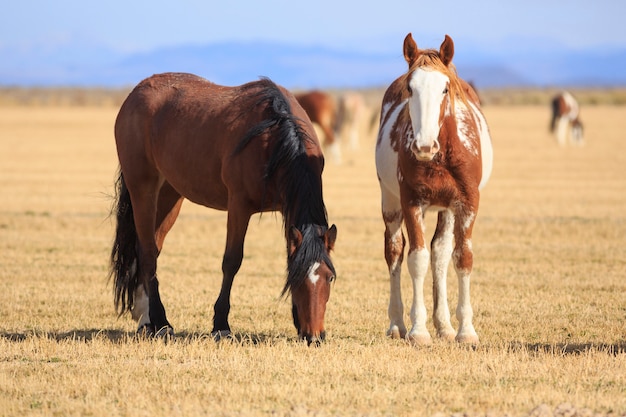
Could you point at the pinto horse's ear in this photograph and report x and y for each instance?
(329, 238)
(446, 51)
(294, 239)
(410, 50)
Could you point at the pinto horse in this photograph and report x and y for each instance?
(566, 119)
(322, 110)
(433, 152)
(245, 149)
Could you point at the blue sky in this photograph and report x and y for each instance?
(140, 25)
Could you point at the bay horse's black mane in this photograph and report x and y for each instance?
(300, 188)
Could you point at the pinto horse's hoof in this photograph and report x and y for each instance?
(396, 332)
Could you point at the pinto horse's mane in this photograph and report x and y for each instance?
(430, 59)
(299, 185)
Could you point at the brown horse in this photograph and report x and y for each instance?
(245, 149)
(433, 152)
(322, 110)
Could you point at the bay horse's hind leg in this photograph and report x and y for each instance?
(441, 250)
(237, 226)
(153, 220)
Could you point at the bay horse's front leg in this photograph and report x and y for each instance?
(417, 262)
(237, 226)
(463, 262)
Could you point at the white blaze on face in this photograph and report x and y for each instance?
(312, 274)
(427, 89)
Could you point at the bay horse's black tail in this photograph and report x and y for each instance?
(123, 254)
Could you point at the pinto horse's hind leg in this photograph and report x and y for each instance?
(394, 254)
(463, 262)
(441, 248)
(237, 226)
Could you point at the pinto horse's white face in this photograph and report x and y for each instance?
(428, 84)
(428, 104)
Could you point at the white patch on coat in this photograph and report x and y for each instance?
(486, 148)
(386, 157)
(462, 128)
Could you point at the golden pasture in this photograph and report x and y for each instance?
(548, 288)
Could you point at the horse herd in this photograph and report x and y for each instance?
(254, 148)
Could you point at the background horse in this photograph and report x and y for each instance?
(322, 110)
(433, 152)
(351, 113)
(245, 149)
(566, 119)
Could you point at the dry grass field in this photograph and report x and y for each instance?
(548, 289)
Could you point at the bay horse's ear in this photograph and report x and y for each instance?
(410, 50)
(446, 51)
(295, 239)
(329, 238)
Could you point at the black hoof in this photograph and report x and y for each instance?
(218, 335)
(148, 330)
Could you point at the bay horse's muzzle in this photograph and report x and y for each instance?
(314, 340)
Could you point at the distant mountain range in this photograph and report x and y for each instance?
(514, 64)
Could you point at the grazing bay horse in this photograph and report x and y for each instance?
(566, 119)
(322, 110)
(245, 149)
(433, 152)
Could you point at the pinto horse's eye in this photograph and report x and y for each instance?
(445, 90)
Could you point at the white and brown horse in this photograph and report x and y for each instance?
(566, 119)
(433, 152)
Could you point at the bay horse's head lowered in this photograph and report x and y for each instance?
(310, 275)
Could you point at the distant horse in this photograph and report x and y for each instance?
(566, 119)
(351, 113)
(244, 149)
(322, 110)
(433, 152)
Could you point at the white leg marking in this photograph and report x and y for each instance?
(464, 312)
(418, 261)
(395, 311)
(141, 308)
(442, 252)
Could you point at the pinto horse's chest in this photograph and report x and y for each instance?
(443, 182)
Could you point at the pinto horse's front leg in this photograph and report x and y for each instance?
(417, 261)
